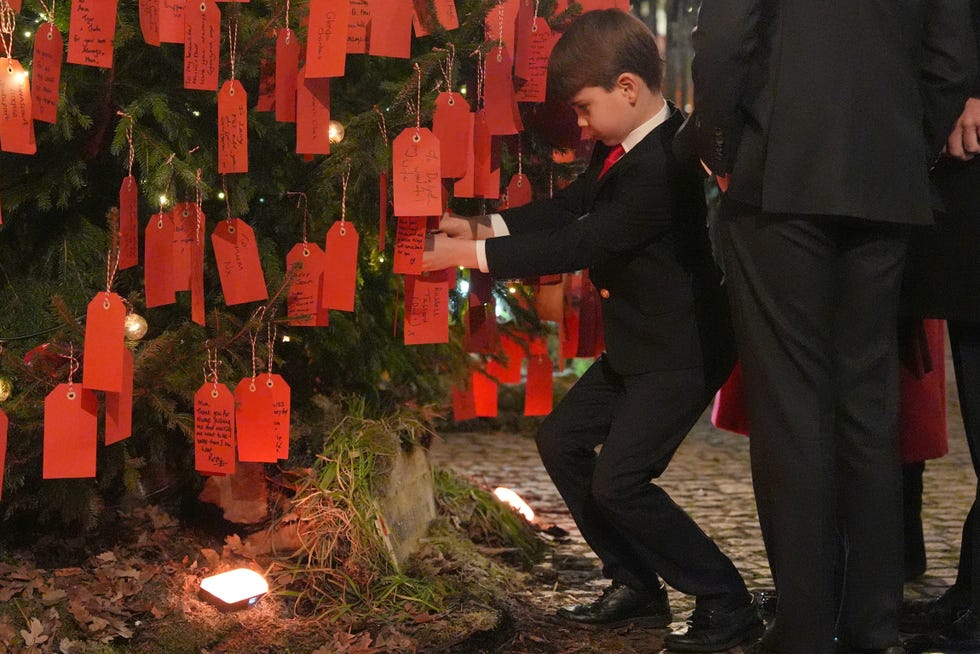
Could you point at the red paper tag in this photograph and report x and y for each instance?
(481, 316)
(519, 191)
(119, 406)
(357, 26)
(70, 432)
(538, 390)
(340, 267)
(279, 394)
(312, 114)
(214, 430)
(427, 308)
(409, 245)
(129, 240)
(464, 404)
(287, 70)
(46, 73)
(498, 93)
(253, 421)
(150, 21)
(390, 33)
(202, 44)
(171, 28)
(232, 128)
(486, 160)
(16, 121)
(417, 171)
(4, 424)
(90, 33)
(382, 210)
(104, 333)
(464, 187)
(239, 267)
(158, 261)
(185, 228)
(326, 39)
(534, 70)
(452, 125)
(513, 357)
(305, 263)
(484, 395)
(445, 17)
(570, 322)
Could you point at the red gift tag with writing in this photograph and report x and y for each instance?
(538, 395)
(287, 70)
(239, 267)
(427, 308)
(253, 421)
(312, 114)
(486, 160)
(464, 186)
(150, 21)
(535, 68)
(305, 263)
(519, 190)
(417, 171)
(464, 404)
(279, 393)
(46, 73)
(232, 128)
(426, 22)
(484, 394)
(452, 124)
(358, 26)
(105, 324)
(16, 121)
(119, 406)
(171, 25)
(158, 261)
(202, 44)
(409, 245)
(4, 425)
(90, 32)
(498, 93)
(326, 38)
(340, 267)
(70, 432)
(390, 33)
(214, 430)
(129, 239)
(382, 210)
(185, 227)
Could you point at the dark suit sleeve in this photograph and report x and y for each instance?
(565, 206)
(637, 213)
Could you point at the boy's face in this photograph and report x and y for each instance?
(607, 115)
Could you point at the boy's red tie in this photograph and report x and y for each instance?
(614, 155)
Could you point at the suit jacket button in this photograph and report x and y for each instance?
(604, 293)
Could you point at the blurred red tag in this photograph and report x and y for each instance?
(326, 38)
(499, 102)
(129, 238)
(202, 44)
(513, 355)
(305, 263)
(46, 73)
(452, 125)
(340, 267)
(390, 33)
(232, 128)
(464, 404)
(185, 227)
(4, 424)
(481, 316)
(417, 170)
(279, 395)
(171, 26)
(409, 245)
(486, 160)
(158, 259)
(534, 70)
(312, 114)
(150, 21)
(427, 308)
(119, 406)
(16, 120)
(484, 395)
(464, 186)
(568, 334)
(538, 389)
(519, 191)
(239, 267)
(426, 22)
(287, 70)
(214, 430)
(91, 31)
(358, 26)
(253, 421)
(382, 210)
(102, 361)
(70, 432)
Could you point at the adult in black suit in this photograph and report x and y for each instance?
(639, 227)
(943, 280)
(823, 119)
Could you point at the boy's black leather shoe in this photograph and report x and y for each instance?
(961, 636)
(921, 616)
(717, 630)
(619, 604)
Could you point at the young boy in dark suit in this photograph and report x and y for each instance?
(636, 219)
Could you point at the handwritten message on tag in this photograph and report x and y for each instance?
(232, 128)
(202, 43)
(150, 21)
(239, 267)
(102, 361)
(340, 267)
(46, 73)
(281, 401)
(326, 40)
(417, 171)
(426, 22)
(171, 28)
(92, 28)
(253, 421)
(305, 263)
(312, 114)
(119, 406)
(534, 71)
(158, 260)
(427, 308)
(16, 122)
(409, 245)
(70, 432)
(214, 430)
(357, 26)
(287, 70)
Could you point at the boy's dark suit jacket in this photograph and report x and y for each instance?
(641, 232)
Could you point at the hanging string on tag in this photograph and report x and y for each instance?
(418, 103)
(253, 337)
(224, 189)
(481, 77)
(72, 368)
(551, 181)
(447, 66)
(500, 31)
(343, 199)
(520, 160)
(48, 12)
(383, 126)
(233, 47)
(170, 179)
(112, 258)
(211, 369)
(285, 21)
(198, 212)
(270, 342)
(534, 18)
(8, 23)
(301, 200)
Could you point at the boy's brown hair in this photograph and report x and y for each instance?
(597, 48)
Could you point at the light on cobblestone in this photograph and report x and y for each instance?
(507, 496)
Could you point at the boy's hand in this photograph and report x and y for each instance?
(465, 228)
(963, 142)
(442, 251)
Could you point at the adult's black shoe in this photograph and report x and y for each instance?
(922, 616)
(962, 636)
(619, 604)
(717, 630)
(892, 649)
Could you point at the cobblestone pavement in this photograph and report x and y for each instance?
(709, 477)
